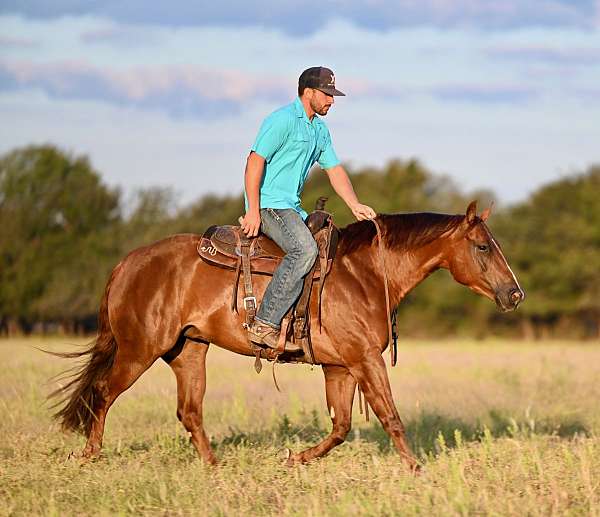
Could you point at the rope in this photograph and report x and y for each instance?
(387, 293)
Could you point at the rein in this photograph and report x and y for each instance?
(391, 340)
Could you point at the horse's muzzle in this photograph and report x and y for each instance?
(509, 299)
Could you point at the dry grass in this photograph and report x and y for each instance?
(501, 428)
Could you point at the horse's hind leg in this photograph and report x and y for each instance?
(373, 379)
(339, 388)
(189, 367)
(126, 369)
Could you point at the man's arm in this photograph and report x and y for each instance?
(255, 166)
(338, 177)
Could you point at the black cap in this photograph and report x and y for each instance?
(320, 78)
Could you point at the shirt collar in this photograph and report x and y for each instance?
(300, 113)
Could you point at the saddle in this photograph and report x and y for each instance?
(228, 247)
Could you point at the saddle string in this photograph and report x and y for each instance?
(238, 270)
(273, 373)
(391, 342)
(280, 349)
(360, 403)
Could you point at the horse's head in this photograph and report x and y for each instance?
(476, 260)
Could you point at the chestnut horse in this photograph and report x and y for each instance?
(163, 301)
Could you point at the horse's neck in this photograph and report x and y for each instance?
(408, 268)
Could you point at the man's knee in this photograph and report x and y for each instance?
(306, 254)
(310, 254)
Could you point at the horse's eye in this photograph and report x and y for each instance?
(483, 247)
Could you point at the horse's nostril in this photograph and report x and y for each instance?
(516, 295)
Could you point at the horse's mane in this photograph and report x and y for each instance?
(399, 231)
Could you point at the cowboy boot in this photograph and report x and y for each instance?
(262, 334)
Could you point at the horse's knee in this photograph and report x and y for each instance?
(191, 420)
(393, 426)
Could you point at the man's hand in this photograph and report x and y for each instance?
(341, 183)
(362, 212)
(250, 223)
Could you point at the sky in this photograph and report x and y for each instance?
(497, 94)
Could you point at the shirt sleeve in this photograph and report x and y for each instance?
(327, 158)
(271, 136)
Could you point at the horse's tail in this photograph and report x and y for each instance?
(81, 395)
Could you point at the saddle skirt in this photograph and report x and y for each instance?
(221, 246)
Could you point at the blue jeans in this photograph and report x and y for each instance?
(287, 228)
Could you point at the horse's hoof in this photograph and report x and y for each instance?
(88, 455)
(290, 459)
(285, 455)
(212, 461)
(416, 470)
(293, 460)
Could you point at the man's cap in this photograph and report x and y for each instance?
(320, 78)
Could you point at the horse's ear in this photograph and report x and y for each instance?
(486, 213)
(472, 212)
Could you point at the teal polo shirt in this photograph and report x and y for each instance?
(290, 144)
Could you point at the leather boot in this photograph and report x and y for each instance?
(266, 335)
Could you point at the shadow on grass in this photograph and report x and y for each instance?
(283, 432)
(429, 431)
(426, 433)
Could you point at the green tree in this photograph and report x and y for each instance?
(53, 207)
(208, 210)
(554, 240)
(152, 217)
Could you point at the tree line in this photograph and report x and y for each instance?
(62, 230)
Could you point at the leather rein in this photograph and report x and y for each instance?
(391, 340)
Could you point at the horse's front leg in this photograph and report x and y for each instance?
(373, 379)
(339, 388)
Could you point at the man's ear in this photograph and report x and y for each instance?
(472, 212)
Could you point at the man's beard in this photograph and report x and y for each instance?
(322, 110)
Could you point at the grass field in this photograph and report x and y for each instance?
(501, 429)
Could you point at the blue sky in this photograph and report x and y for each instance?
(500, 94)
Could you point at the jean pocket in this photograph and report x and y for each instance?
(275, 215)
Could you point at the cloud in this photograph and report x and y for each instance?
(8, 42)
(182, 91)
(547, 54)
(120, 37)
(588, 95)
(485, 93)
(301, 17)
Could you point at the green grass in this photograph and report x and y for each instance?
(501, 429)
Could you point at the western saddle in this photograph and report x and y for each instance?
(228, 247)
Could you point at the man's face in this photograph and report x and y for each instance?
(320, 102)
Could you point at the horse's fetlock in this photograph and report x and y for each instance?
(341, 430)
(338, 439)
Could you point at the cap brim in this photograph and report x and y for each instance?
(332, 91)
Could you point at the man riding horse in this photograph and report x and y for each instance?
(289, 142)
(165, 301)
